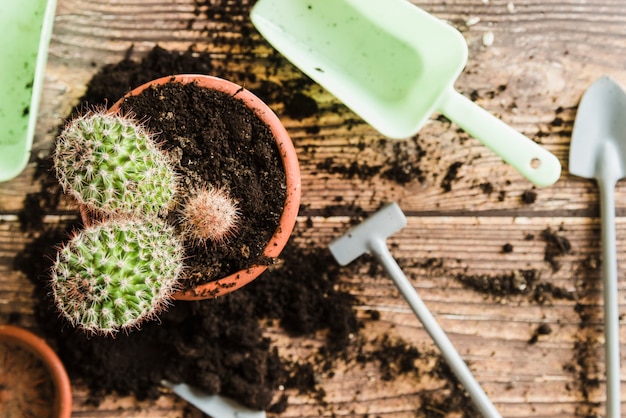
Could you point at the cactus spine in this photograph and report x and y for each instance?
(210, 215)
(114, 275)
(110, 163)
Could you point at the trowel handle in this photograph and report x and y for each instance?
(379, 249)
(526, 156)
(611, 301)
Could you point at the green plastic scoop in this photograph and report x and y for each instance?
(26, 29)
(394, 65)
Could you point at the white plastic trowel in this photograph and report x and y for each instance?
(214, 405)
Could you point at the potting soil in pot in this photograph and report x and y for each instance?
(215, 140)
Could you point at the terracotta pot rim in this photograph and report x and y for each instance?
(41, 349)
(289, 158)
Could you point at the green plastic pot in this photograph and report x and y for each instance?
(26, 30)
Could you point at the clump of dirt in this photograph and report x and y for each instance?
(394, 357)
(405, 167)
(113, 81)
(451, 176)
(399, 162)
(529, 197)
(487, 188)
(556, 246)
(300, 106)
(543, 329)
(517, 282)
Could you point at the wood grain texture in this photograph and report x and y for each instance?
(543, 56)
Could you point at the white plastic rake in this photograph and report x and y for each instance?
(370, 237)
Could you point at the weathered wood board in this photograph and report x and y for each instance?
(532, 75)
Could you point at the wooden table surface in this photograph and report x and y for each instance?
(531, 73)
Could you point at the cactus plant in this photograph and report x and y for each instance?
(111, 163)
(116, 274)
(210, 215)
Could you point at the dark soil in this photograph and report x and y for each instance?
(557, 245)
(543, 329)
(400, 164)
(451, 176)
(518, 282)
(214, 139)
(529, 197)
(218, 345)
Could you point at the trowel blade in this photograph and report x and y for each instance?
(599, 123)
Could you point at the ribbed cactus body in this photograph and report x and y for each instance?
(210, 215)
(114, 275)
(112, 164)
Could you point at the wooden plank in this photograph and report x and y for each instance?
(492, 334)
(542, 58)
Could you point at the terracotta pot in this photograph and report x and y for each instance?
(62, 405)
(292, 171)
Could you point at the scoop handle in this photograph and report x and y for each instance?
(526, 156)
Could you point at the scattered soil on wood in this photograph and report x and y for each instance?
(399, 162)
(585, 367)
(218, 345)
(556, 245)
(529, 197)
(451, 176)
(543, 329)
(518, 282)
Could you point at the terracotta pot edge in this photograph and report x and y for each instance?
(291, 165)
(51, 360)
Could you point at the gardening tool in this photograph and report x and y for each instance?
(394, 65)
(26, 29)
(370, 237)
(213, 405)
(598, 150)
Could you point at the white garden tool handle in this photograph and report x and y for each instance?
(606, 182)
(529, 158)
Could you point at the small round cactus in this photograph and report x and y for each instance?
(114, 275)
(110, 163)
(210, 215)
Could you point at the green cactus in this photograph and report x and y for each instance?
(114, 275)
(110, 163)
